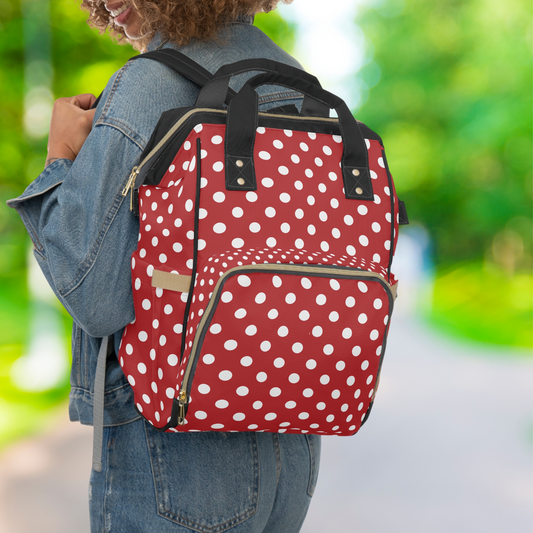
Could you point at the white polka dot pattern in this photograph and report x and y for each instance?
(257, 367)
(320, 362)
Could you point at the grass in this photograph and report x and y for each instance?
(483, 303)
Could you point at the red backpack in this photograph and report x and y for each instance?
(262, 279)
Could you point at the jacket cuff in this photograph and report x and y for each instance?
(52, 176)
(27, 204)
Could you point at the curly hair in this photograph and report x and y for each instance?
(179, 21)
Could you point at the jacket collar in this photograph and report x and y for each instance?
(158, 41)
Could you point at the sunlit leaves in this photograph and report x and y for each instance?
(453, 105)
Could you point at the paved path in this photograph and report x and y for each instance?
(447, 449)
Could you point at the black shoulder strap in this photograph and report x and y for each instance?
(181, 64)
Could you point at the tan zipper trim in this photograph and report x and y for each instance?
(131, 182)
(296, 117)
(222, 111)
(270, 266)
(172, 130)
(134, 173)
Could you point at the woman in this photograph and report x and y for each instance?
(84, 234)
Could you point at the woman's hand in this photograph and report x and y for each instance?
(72, 121)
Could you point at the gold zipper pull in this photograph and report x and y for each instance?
(182, 402)
(131, 181)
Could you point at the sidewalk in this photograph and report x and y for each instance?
(447, 449)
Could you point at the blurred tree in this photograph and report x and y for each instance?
(14, 152)
(450, 92)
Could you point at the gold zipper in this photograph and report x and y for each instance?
(130, 185)
(182, 402)
(130, 181)
(333, 272)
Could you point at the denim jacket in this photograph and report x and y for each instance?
(81, 226)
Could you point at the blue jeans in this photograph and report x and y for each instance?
(154, 482)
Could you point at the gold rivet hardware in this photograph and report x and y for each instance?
(355, 172)
(240, 181)
(359, 190)
(239, 163)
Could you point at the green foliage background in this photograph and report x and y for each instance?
(453, 104)
(448, 85)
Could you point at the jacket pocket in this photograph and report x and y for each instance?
(314, 443)
(224, 465)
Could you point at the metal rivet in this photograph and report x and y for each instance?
(355, 172)
(239, 163)
(240, 181)
(359, 190)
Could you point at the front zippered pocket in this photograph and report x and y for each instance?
(285, 347)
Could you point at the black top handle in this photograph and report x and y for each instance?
(241, 129)
(215, 92)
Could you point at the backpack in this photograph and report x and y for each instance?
(262, 279)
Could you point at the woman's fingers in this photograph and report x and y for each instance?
(83, 101)
(71, 123)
